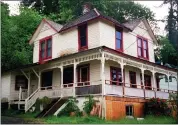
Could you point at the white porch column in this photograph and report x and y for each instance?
(29, 84)
(39, 80)
(61, 67)
(75, 78)
(122, 72)
(168, 80)
(143, 80)
(154, 83)
(103, 85)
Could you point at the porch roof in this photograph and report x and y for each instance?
(104, 48)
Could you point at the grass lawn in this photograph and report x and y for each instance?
(30, 118)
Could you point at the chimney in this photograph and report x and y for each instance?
(86, 7)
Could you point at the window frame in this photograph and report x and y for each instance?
(132, 107)
(142, 48)
(79, 37)
(79, 74)
(117, 69)
(26, 82)
(45, 40)
(121, 31)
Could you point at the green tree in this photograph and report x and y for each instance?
(166, 52)
(172, 22)
(17, 30)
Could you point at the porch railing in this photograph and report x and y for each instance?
(88, 87)
(132, 90)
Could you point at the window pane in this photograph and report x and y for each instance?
(49, 43)
(145, 44)
(139, 42)
(118, 35)
(49, 52)
(139, 52)
(43, 46)
(84, 74)
(145, 53)
(42, 54)
(118, 44)
(83, 41)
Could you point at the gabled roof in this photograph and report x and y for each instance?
(132, 24)
(93, 14)
(55, 26)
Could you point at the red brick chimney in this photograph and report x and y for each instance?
(86, 7)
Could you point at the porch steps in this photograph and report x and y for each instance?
(52, 107)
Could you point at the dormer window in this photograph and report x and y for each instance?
(45, 48)
(142, 47)
(82, 37)
(119, 40)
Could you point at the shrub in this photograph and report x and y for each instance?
(43, 101)
(88, 104)
(157, 106)
(70, 107)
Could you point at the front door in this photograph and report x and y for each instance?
(132, 76)
(147, 82)
(47, 79)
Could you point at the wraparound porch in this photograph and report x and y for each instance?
(98, 78)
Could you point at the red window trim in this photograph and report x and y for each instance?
(44, 40)
(78, 73)
(142, 50)
(85, 47)
(121, 30)
(112, 67)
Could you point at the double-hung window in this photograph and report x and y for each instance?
(119, 40)
(46, 48)
(142, 48)
(21, 81)
(82, 37)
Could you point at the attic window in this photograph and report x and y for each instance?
(45, 48)
(82, 37)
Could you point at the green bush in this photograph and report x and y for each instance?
(88, 104)
(43, 101)
(157, 106)
(70, 107)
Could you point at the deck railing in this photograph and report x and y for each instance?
(132, 90)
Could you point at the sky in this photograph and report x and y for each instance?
(160, 12)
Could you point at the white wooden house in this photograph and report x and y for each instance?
(94, 54)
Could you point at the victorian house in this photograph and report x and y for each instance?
(92, 55)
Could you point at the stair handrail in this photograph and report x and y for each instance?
(30, 97)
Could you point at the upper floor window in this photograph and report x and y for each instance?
(119, 40)
(142, 48)
(46, 48)
(82, 37)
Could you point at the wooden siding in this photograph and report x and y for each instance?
(115, 107)
(130, 38)
(5, 80)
